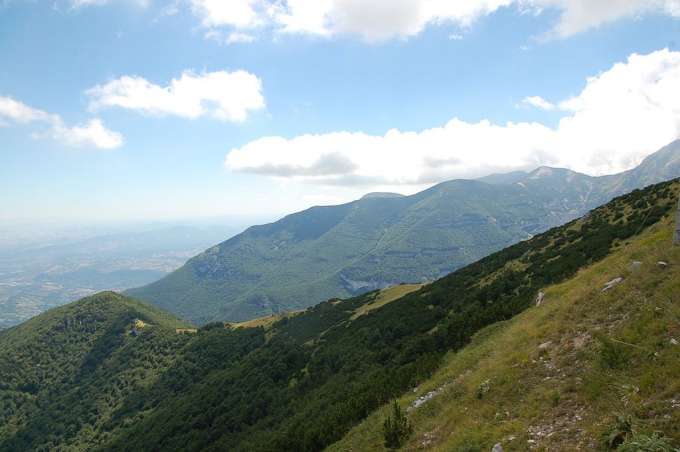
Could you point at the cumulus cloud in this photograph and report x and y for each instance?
(580, 15)
(538, 102)
(12, 110)
(620, 116)
(228, 96)
(236, 13)
(379, 20)
(92, 134)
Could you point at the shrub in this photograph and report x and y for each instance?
(647, 443)
(619, 432)
(612, 355)
(396, 428)
(483, 388)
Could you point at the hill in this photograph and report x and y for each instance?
(385, 239)
(587, 369)
(303, 382)
(82, 357)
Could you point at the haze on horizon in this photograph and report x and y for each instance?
(143, 110)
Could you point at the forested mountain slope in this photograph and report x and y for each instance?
(585, 370)
(299, 384)
(377, 241)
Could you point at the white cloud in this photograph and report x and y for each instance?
(236, 38)
(580, 15)
(81, 3)
(538, 102)
(379, 20)
(236, 13)
(92, 134)
(228, 96)
(84, 3)
(13, 110)
(620, 116)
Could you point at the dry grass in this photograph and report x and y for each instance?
(384, 297)
(264, 322)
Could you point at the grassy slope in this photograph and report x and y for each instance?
(384, 297)
(377, 300)
(565, 395)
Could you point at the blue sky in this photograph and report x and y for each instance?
(356, 99)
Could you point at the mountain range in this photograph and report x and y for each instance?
(384, 239)
(565, 341)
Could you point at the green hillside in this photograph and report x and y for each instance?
(585, 370)
(63, 373)
(304, 382)
(383, 239)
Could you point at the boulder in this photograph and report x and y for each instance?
(539, 298)
(611, 284)
(545, 345)
(497, 448)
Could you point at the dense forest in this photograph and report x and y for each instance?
(111, 373)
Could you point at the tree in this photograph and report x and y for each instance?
(396, 428)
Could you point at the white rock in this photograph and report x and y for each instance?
(545, 345)
(539, 298)
(611, 284)
(497, 448)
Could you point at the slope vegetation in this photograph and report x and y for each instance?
(382, 240)
(301, 383)
(62, 373)
(585, 370)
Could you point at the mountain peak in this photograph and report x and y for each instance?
(542, 171)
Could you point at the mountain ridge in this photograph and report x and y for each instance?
(373, 242)
(303, 382)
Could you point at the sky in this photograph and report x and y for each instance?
(114, 110)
